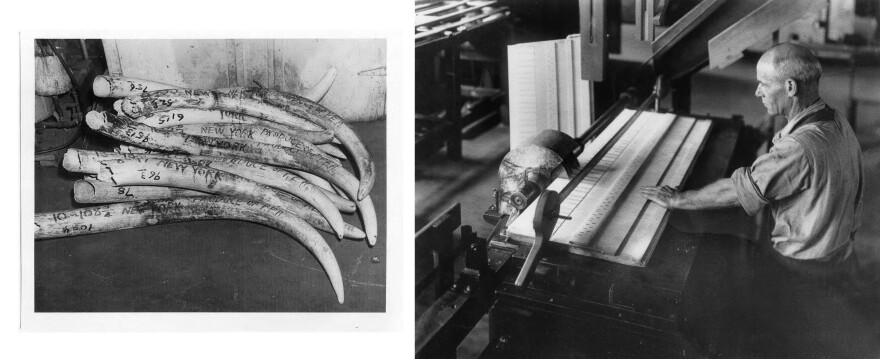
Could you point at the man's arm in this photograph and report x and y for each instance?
(719, 194)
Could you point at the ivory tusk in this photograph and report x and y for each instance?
(89, 162)
(120, 216)
(119, 86)
(325, 187)
(94, 191)
(314, 112)
(320, 89)
(266, 104)
(140, 170)
(252, 133)
(192, 116)
(310, 215)
(365, 207)
(122, 148)
(368, 215)
(332, 150)
(317, 181)
(305, 158)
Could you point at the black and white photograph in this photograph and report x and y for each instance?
(647, 179)
(209, 175)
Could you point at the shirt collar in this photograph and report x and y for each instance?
(798, 118)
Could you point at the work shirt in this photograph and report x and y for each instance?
(813, 180)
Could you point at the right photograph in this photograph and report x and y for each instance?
(647, 179)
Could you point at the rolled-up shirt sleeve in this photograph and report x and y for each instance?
(782, 172)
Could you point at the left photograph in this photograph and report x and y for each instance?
(209, 175)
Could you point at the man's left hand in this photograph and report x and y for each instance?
(665, 196)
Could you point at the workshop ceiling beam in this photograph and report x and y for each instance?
(758, 25)
(691, 52)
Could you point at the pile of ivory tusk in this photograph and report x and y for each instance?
(239, 153)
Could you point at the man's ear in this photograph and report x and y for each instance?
(791, 87)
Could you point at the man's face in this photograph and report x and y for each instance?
(771, 89)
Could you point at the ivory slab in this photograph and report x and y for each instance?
(610, 219)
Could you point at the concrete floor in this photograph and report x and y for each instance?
(844, 331)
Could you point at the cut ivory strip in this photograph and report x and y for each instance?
(120, 216)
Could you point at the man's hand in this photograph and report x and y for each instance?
(665, 196)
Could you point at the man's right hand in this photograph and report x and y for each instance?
(665, 196)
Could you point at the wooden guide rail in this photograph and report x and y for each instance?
(609, 218)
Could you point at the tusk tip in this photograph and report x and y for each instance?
(355, 233)
(371, 241)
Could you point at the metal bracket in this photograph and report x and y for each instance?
(546, 214)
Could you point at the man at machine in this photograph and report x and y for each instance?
(812, 177)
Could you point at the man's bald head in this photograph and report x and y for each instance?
(790, 61)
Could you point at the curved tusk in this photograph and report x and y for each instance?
(365, 207)
(305, 157)
(266, 104)
(191, 116)
(119, 86)
(321, 184)
(139, 170)
(368, 216)
(120, 216)
(89, 162)
(252, 133)
(332, 150)
(320, 89)
(310, 215)
(94, 191)
(317, 181)
(314, 112)
(123, 148)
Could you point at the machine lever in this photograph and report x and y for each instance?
(546, 214)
